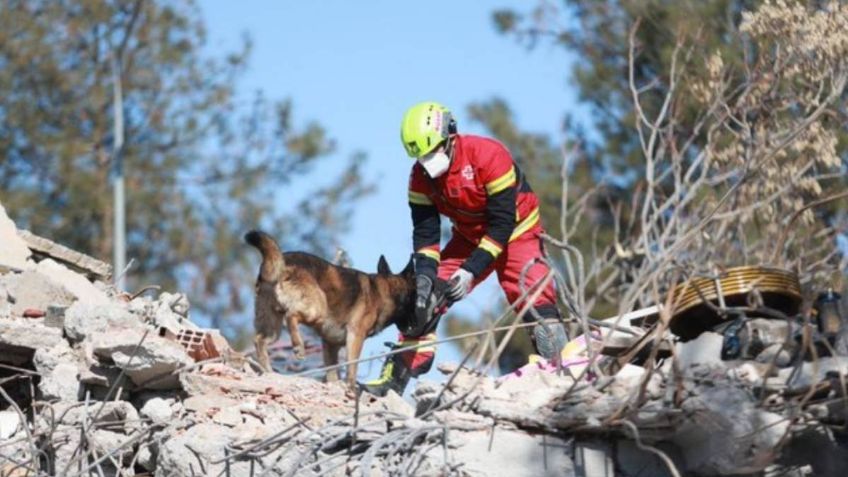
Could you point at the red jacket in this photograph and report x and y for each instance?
(483, 193)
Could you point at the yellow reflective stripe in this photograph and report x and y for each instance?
(525, 224)
(432, 253)
(419, 199)
(490, 246)
(426, 339)
(501, 182)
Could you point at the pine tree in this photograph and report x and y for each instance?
(201, 168)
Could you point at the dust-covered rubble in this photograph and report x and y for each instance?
(94, 381)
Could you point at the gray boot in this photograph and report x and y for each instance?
(550, 337)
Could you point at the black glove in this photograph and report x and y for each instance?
(424, 300)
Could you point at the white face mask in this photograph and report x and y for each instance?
(435, 164)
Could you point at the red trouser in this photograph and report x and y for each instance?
(508, 266)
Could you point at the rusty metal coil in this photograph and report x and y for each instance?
(779, 289)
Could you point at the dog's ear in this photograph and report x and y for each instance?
(383, 266)
(409, 269)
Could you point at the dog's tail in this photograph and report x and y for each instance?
(273, 262)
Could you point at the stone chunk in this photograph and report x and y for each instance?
(9, 423)
(148, 362)
(59, 368)
(507, 452)
(158, 410)
(14, 252)
(83, 319)
(79, 286)
(703, 350)
(189, 453)
(78, 261)
(20, 338)
(33, 290)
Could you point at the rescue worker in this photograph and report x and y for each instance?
(474, 182)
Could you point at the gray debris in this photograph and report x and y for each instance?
(176, 302)
(192, 453)
(507, 452)
(14, 252)
(82, 289)
(32, 290)
(704, 350)
(149, 360)
(157, 409)
(10, 421)
(21, 337)
(80, 262)
(59, 368)
(83, 319)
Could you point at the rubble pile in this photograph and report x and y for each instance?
(94, 381)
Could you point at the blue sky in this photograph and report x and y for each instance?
(355, 67)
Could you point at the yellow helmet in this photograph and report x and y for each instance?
(424, 127)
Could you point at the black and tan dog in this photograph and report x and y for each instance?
(342, 304)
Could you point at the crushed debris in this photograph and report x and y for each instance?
(93, 382)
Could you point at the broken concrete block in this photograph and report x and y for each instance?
(158, 410)
(100, 379)
(147, 360)
(814, 372)
(207, 442)
(14, 252)
(20, 338)
(395, 404)
(704, 350)
(463, 421)
(76, 284)
(725, 431)
(228, 416)
(775, 353)
(102, 442)
(9, 423)
(120, 416)
(506, 452)
(30, 289)
(176, 302)
(204, 402)
(83, 319)
(80, 262)
(147, 453)
(59, 369)
(593, 458)
(635, 461)
(61, 384)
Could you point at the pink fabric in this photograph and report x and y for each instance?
(574, 354)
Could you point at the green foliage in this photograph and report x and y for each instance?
(201, 168)
(613, 159)
(598, 33)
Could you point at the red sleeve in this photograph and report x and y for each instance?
(419, 187)
(497, 173)
(495, 168)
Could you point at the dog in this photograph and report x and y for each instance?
(343, 305)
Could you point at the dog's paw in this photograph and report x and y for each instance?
(300, 352)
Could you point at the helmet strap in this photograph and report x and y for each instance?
(449, 146)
